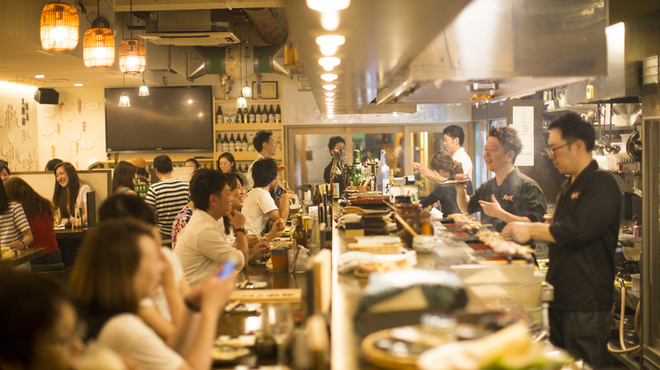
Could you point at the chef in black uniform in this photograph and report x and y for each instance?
(335, 143)
(442, 167)
(508, 197)
(582, 239)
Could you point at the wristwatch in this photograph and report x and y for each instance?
(24, 245)
(240, 229)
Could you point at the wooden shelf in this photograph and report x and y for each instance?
(247, 126)
(249, 101)
(248, 156)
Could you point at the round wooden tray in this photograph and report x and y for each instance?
(387, 360)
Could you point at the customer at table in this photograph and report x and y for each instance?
(192, 162)
(50, 165)
(582, 238)
(123, 179)
(119, 264)
(335, 143)
(40, 327)
(4, 171)
(201, 245)
(163, 310)
(184, 215)
(39, 213)
(508, 197)
(453, 140)
(265, 144)
(15, 230)
(226, 163)
(167, 196)
(260, 207)
(443, 168)
(69, 194)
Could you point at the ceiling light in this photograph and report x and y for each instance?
(247, 91)
(330, 115)
(99, 48)
(39, 76)
(132, 57)
(395, 114)
(241, 102)
(329, 77)
(124, 101)
(328, 63)
(325, 6)
(329, 99)
(59, 27)
(77, 85)
(144, 89)
(329, 86)
(329, 43)
(330, 21)
(329, 94)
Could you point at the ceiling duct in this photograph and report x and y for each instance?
(270, 24)
(191, 28)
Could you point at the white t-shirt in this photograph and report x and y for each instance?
(462, 156)
(159, 300)
(82, 195)
(250, 181)
(129, 336)
(256, 208)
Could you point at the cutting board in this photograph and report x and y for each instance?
(266, 296)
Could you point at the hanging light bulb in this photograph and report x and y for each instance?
(241, 102)
(132, 57)
(144, 89)
(99, 48)
(124, 101)
(247, 91)
(59, 27)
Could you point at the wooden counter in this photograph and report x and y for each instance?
(22, 256)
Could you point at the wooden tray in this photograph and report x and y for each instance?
(266, 296)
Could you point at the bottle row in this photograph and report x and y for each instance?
(239, 115)
(238, 143)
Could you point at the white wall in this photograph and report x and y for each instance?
(18, 129)
(74, 130)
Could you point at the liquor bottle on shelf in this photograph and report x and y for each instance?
(239, 169)
(264, 115)
(218, 115)
(278, 114)
(278, 143)
(237, 116)
(244, 143)
(218, 143)
(383, 173)
(250, 145)
(300, 235)
(338, 175)
(226, 116)
(373, 184)
(356, 171)
(252, 114)
(258, 115)
(271, 115)
(225, 143)
(232, 143)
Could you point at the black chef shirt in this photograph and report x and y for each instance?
(446, 195)
(326, 173)
(518, 195)
(585, 227)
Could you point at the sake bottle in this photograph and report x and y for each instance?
(271, 115)
(258, 114)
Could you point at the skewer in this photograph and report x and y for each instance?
(405, 225)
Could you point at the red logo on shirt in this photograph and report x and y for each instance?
(575, 195)
(508, 197)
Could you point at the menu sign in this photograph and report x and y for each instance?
(523, 122)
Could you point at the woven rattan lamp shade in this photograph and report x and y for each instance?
(132, 58)
(59, 27)
(99, 48)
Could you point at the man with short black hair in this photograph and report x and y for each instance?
(265, 144)
(509, 196)
(453, 140)
(259, 206)
(168, 196)
(201, 245)
(582, 238)
(335, 143)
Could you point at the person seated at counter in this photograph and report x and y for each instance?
(265, 144)
(39, 212)
(50, 165)
(122, 179)
(162, 311)
(508, 197)
(192, 162)
(335, 143)
(260, 207)
(39, 326)
(69, 194)
(119, 264)
(226, 163)
(443, 167)
(201, 245)
(167, 196)
(4, 171)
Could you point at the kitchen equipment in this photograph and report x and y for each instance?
(635, 282)
(626, 114)
(634, 146)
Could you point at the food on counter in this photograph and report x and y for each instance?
(496, 242)
(7, 253)
(465, 222)
(368, 267)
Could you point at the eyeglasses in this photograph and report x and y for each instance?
(552, 151)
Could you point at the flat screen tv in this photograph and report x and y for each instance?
(169, 119)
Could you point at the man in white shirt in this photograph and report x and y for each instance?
(265, 144)
(201, 245)
(259, 206)
(453, 140)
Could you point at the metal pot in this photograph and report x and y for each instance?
(631, 250)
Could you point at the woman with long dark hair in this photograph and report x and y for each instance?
(442, 168)
(39, 212)
(69, 194)
(15, 230)
(226, 163)
(123, 179)
(119, 264)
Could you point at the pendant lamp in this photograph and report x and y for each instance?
(124, 101)
(132, 57)
(144, 89)
(99, 43)
(59, 27)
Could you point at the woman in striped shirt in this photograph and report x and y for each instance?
(15, 230)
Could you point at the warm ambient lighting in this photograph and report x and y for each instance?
(144, 89)
(329, 43)
(39, 76)
(241, 102)
(132, 58)
(77, 85)
(325, 6)
(124, 101)
(99, 48)
(331, 115)
(59, 27)
(329, 99)
(247, 91)
(329, 86)
(330, 21)
(328, 63)
(328, 77)
(329, 94)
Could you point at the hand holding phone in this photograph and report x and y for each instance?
(229, 267)
(279, 190)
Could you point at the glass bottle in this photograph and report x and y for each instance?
(300, 235)
(271, 115)
(278, 143)
(337, 175)
(225, 143)
(383, 173)
(258, 115)
(244, 143)
(356, 170)
(218, 116)
(373, 183)
(252, 114)
(218, 143)
(278, 114)
(250, 145)
(264, 115)
(232, 143)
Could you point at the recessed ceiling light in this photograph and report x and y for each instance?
(77, 85)
(330, 115)
(328, 63)
(325, 6)
(39, 76)
(329, 94)
(329, 99)
(329, 77)
(330, 21)
(329, 86)
(329, 43)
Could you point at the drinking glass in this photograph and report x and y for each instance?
(306, 221)
(278, 323)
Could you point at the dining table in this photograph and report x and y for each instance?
(22, 256)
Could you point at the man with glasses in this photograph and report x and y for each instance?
(582, 237)
(508, 197)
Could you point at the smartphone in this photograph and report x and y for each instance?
(279, 191)
(229, 267)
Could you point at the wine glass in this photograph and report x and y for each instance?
(278, 323)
